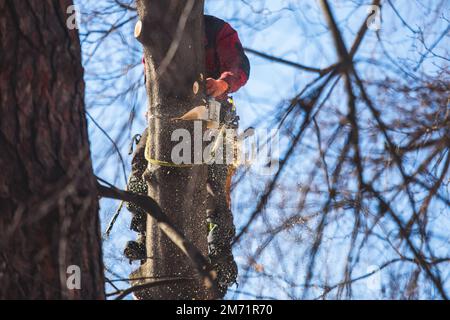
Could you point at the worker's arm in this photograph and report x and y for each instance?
(234, 64)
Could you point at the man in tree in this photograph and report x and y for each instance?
(227, 70)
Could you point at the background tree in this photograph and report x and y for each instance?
(48, 198)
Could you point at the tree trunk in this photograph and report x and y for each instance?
(173, 37)
(49, 225)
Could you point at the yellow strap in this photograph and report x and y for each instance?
(170, 164)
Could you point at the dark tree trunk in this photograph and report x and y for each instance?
(48, 199)
(175, 85)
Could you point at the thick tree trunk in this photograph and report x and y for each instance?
(49, 224)
(175, 64)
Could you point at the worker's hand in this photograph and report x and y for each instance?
(216, 88)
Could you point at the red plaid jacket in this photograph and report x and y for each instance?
(225, 56)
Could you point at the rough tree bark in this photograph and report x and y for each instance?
(172, 34)
(48, 199)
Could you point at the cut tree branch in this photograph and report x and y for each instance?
(289, 63)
